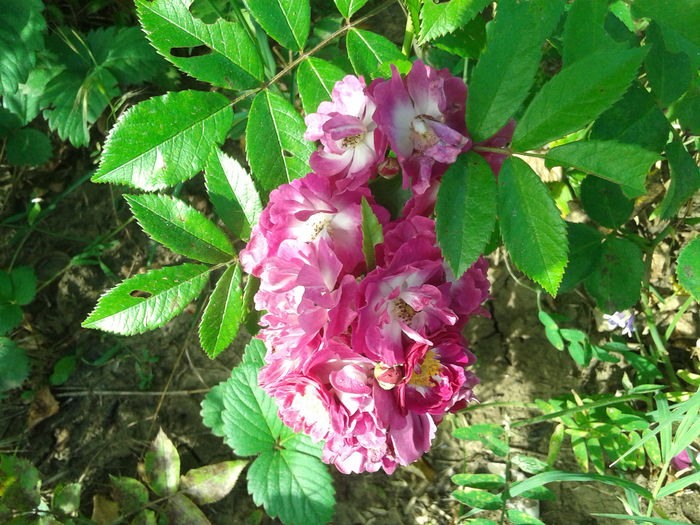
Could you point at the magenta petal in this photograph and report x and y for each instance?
(394, 113)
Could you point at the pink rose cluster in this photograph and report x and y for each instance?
(369, 360)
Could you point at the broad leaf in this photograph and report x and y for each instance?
(293, 486)
(669, 74)
(315, 80)
(372, 234)
(577, 95)
(616, 280)
(25, 103)
(147, 301)
(287, 21)
(623, 164)
(439, 19)
(276, 148)
(683, 16)
(479, 481)
(584, 30)
(227, 54)
(66, 499)
(348, 7)
(213, 409)
(10, 316)
(223, 314)
(212, 483)
(532, 229)
(466, 211)
(21, 29)
(180, 227)
(181, 509)
(468, 41)
(605, 203)
(130, 494)
(18, 286)
(28, 147)
(585, 249)
(367, 51)
(233, 193)
(164, 140)
(502, 79)
(14, 365)
(254, 353)
(162, 465)
(688, 109)
(478, 499)
(688, 269)
(685, 180)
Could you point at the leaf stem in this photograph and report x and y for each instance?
(661, 352)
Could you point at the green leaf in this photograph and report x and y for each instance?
(529, 464)
(539, 493)
(584, 30)
(685, 180)
(213, 408)
(555, 442)
(688, 269)
(21, 38)
(180, 227)
(129, 493)
(688, 110)
(478, 499)
(10, 316)
(23, 282)
(181, 509)
(147, 301)
(227, 56)
(28, 147)
(348, 7)
(14, 364)
(552, 476)
(62, 370)
(9, 122)
(315, 80)
(367, 51)
(164, 140)
(521, 518)
(605, 203)
(20, 482)
(616, 280)
(532, 229)
(223, 313)
(577, 95)
(372, 234)
(581, 353)
(468, 41)
(162, 466)
(502, 79)
(595, 453)
(251, 425)
(669, 74)
(212, 483)
(634, 119)
(466, 211)
(683, 16)
(639, 519)
(652, 449)
(25, 102)
(293, 486)
(287, 21)
(478, 432)
(623, 164)
(254, 353)
(439, 19)
(479, 481)
(66, 499)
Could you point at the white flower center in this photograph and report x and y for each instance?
(352, 141)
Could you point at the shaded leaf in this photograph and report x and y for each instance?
(287, 21)
(669, 74)
(682, 16)
(181, 509)
(223, 314)
(129, 493)
(616, 280)
(584, 30)
(685, 180)
(688, 269)
(66, 499)
(20, 483)
(162, 464)
(315, 80)
(605, 203)
(14, 364)
(21, 38)
(213, 408)
(367, 51)
(28, 147)
(211, 483)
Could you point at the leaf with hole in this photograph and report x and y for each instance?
(223, 314)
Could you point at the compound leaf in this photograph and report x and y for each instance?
(315, 80)
(287, 21)
(223, 314)
(367, 51)
(439, 19)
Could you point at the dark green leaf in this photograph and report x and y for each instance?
(10, 316)
(315, 80)
(21, 37)
(25, 103)
(479, 481)
(439, 19)
(478, 499)
(9, 122)
(467, 41)
(62, 370)
(287, 21)
(348, 7)
(532, 229)
(585, 246)
(223, 313)
(577, 95)
(688, 269)
(129, 493)
(181, 509)
(624, 164)
(227, 56)
(584, 30)
(212, 483)
(367, 51)
(276, 149)
(23, 281)
(20, 483)
(502, 79)
(164, 140)
(685, 180)
(466, 211)
(372, 234)
(688, 110)
(605, 203)
(683, 16)
(521, 518)
(180, 227)
(14, 364)
(293, 486)
(147, 301)
(669, 74)
(162, 466)
(616, 280)
(28, 147)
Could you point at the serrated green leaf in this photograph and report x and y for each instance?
(10, 316)
(164, 140)
(688, 109)
(276, 149)
(251, 425)
(479, 481)
(623, 164)
(287, 21)
(502, 79)
(685, 180)
(293, 486)
(228, 54)
(616, 280)
(584, 30)
(254, 354)
(23, 282)
(147, 301)
(605, 203)
(468, 41)
(315, 81)
(25, 103)
(683, 16)
(233, 193)
(181, 509)
(367, 51)
(223, 314)
(180, 227)
(213, 408)
(585, 249)
(129, 493)
(688, 269)
(532, 229)
(300, 443)
(162, 465)
(669, 74)
(466, 211)
(521, 518)
(577, 95)
(348, 7)
(28, 147)
(439, 19)
(21, 37)
(212, 483)
(372, 234)
(14, 364)
(478, 499)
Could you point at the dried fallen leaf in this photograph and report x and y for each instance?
(44, 405)
(104, 510)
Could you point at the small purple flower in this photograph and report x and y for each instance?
(683, 460)
(624, 320)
